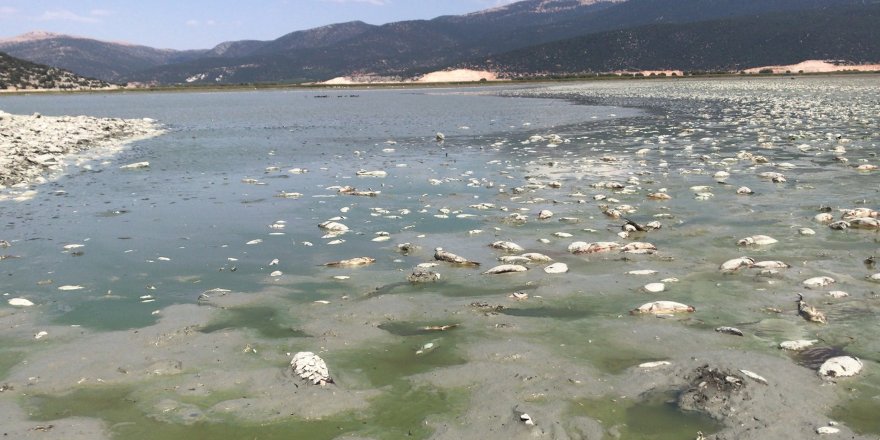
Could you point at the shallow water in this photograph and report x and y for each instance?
(159, 237)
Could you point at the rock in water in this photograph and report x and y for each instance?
(841, 366)
(311, 367)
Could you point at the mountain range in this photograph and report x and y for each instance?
(520, 39)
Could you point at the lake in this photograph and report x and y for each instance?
(151, 347)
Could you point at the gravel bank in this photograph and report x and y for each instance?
(34, 146)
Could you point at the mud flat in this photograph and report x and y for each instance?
(34, 147)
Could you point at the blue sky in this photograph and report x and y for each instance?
(201, 24)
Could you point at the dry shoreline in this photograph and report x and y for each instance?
(35, 146)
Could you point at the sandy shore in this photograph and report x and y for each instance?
(35, 146)
(816, 66)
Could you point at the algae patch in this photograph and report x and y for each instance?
(656, 417)
(121, 409)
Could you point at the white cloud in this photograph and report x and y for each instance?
(101, 12)
(65, 15)
(197, 23)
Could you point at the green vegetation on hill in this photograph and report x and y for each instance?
(18, 74)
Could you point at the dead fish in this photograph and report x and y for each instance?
(865, 223)
(311, 367)
(729, 330)
(513, 259)
(839, 225)
(422, 275)
(440, 328)
(661, 307)
(537, 257)
(357, 261)
(639, 247)
(735, 264)
(754, 376)
(580, 247)
(441, 255)
(809, 312)
(631, 226)
(365, 173)
(134, 166)
(507, 246)
(771, 264)
(816, 282)
(659, 196)
(505, 268)
(760, 240)
(333, 226)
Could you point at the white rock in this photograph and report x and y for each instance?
(841, 366)
(20, 302)
(545, 214)
(556, 268)
(311, 367)
(838, 294)
(875, 277)
(798, 344)
(654, 287)
(822, 430)
(654, 364)
(69, 287)
(806, 231)
(276, 273)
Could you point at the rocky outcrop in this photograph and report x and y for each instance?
(34, 146)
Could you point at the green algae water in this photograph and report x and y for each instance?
(203, 274)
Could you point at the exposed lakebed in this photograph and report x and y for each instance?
(149, 347)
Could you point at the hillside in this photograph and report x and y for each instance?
(17, 74)
(849, 33)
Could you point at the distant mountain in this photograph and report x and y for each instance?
(18, 74)
(517, 36)
(88, 57)
(844, 33)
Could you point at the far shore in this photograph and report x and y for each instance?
(777, 72)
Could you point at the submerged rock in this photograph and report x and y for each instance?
(841, 366)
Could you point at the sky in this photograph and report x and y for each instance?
(202, 24)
